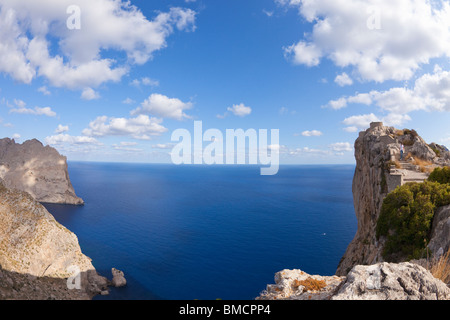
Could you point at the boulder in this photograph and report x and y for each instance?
(118, 279)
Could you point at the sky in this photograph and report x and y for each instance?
(110, 80)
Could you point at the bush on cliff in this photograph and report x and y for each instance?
(406, 216)
(441, 175)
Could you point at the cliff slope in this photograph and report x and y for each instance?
(40, 171)
(37, 254)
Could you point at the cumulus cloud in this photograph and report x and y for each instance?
(142, 127)
(311, 133)
(380, 39)
(343, 80)
(61, 129)
(63, 138)
(240, 110)
(28, 29)
(163, 106)
(20, 107)
(89, 94)
(341, 147)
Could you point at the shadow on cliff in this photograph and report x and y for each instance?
(22, 286)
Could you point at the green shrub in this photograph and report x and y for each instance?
(406, 216)
(441, 175)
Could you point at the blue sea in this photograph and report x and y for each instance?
(208, 232)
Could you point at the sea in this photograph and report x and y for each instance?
(208, 232)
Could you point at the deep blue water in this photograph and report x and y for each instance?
(208, 232)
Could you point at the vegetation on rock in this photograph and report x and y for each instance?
(406, 217)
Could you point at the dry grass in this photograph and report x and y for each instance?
(310, 284)
(440, 269)
(424, 166)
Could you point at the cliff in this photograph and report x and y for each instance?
(38, 255)
(362, 273)
(379, 170)
(40, 171)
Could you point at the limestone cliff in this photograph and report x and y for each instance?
(362, 273)
(376, 151)
(40, 171)
(37, 254)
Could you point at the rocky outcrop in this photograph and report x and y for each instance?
(375, 150)
(118, 279)
(381, 281)
(40, 171)
(38, 256)
(440, 234)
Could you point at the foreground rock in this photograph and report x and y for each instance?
(38, 255)
(40, 171)
(382, 281)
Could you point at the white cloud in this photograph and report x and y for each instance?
(142, 127)
(359, 122)
(128, 101)
(37, 111)
(341, 147)
(146, 81)
(44, 91)
(62, 138)
(163, 146)
(410, 33)
(337, 104)
(303, 53)
(16, 136)
(312, 133)
(61, 129)
(362, 122)
(240, 110)
(163, 106)
(29, 28)
(343, 80)
(89, 94)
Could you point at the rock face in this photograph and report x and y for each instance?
(36, 251)
(440, 235)
(40, 171)
(381, 281)
(375, 149)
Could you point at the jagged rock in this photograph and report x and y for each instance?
(118, 279)
(40, 171)
(440, 235)
(388, 281)
(382, 281)
(36, 251)
(292, 285)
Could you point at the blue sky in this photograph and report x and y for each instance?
(319, 71)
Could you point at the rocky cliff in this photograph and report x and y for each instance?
(40, 171)
(379, 170)
(38, 255)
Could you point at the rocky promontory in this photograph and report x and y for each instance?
(37, 169)
(386, 158)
